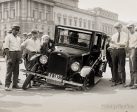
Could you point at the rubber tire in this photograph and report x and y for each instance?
(27, 81)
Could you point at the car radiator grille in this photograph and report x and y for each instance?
(57, 64)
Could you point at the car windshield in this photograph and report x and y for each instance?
(75, 37)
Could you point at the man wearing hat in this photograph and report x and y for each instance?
(12, 49)
(118, 43)
(132, 55)
(32, 46)
(29, 35)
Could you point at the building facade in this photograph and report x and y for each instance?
(43, 15)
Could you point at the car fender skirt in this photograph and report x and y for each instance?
(85, 71)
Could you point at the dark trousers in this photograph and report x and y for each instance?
(118, 63)
(133, 65)
(12, 63)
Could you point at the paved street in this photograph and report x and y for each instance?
(100, 98)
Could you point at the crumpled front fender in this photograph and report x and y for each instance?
(34, 56)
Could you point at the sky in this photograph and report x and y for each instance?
(126, 9)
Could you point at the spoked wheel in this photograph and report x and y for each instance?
(27, 82)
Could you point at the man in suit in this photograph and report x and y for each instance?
(118, 43)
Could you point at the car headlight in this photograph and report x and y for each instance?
(43, 59)
(75, 66)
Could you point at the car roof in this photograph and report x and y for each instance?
(79, 29)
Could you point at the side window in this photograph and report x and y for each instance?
(97, 41)
(63, 36)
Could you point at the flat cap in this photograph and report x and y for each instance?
(34, 31)
(117, 25)
(130, 25)
(15, 27)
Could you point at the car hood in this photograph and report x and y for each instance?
(71, 51)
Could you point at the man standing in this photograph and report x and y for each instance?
(118, 43)
(32, 47)
(132, 55)
(13, 56)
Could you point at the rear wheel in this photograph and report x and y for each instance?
(27, 81)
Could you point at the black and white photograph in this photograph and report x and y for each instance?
(68, 56)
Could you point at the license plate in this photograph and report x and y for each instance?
(55, 79)
(55, 76)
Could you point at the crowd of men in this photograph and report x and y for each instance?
(16, 48)
(121, 44)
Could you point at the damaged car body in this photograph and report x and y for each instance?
(78, 59)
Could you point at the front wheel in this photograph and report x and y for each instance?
(27, 81)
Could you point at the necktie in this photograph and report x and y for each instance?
(118, 39)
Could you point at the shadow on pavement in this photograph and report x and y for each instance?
(4, 110)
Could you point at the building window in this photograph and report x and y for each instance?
(6, 11)
(48, 16)
(12, 9)
(89, 23)
(40, 15)
(70, 21)
(85, 24)
(12, 13)
(75, 21)
(80, 22)
(59, 20)
(93, 25)
(36, 26)
(6, 14)
(65, 21)
(35, 14)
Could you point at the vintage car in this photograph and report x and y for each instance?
(78, 59)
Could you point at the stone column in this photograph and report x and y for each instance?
(2, 5)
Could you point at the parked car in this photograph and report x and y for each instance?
(79, 59)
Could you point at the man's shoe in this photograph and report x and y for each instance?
(113, 84)
(128, 85)
(133, 87)
(16, 87)
(7, 89)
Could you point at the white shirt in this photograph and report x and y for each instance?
(12, 43)
(123, 40)
(32, 45)
(133, 40)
